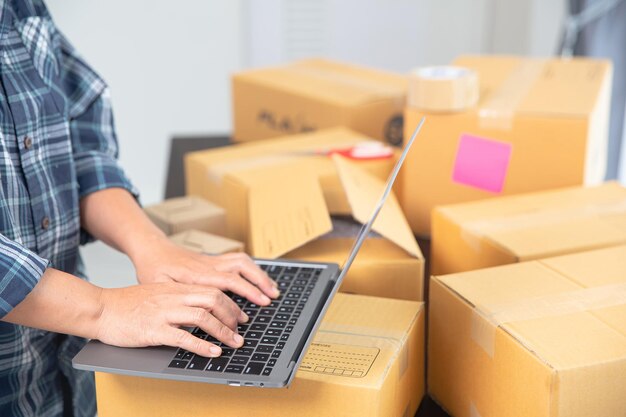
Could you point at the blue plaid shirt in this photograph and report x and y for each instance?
(57, 144)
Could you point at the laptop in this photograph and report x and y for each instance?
(275, 338)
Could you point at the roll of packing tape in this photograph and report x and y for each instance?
(443, 89)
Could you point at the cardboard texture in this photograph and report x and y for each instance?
(367, 359)
(537, 338)
(207, 243)
(530, 226)
(315, 94)
(277, 194)
(186, 213)
(538, 124)
(381, 268)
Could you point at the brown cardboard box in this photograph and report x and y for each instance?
(367, 360)
(381, 268)
(535, 339)
(539, 124)
(275, 200)
(530, 226)
(185, 213)
(316, 94)
(208, 243)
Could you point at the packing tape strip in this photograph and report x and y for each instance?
(498, 109)
(443, 89)
(486, 319)
(472, 232)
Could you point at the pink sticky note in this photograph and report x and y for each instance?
(482, 163)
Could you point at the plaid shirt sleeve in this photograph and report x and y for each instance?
(92, 130)
(21, 270)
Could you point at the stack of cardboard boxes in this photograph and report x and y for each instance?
(528, 303)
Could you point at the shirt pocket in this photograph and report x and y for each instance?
(38, 35)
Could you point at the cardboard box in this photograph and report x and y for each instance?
(276, 203)
(528, 226)
(186, 213)
(315, 94)
(381, 268)
(541, 338)
(208, 243)
(366, 360)
(538, 124)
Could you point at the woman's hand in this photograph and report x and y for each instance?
(152, 314)
(162, 261)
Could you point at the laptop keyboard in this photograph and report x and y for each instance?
(267, 331)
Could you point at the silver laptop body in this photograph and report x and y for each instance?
(276, 337)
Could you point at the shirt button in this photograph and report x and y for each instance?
(45, 223)
(28, 142)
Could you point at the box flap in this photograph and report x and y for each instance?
(287, 209)
(364, 191)
(330, 81)
(562, 87)
(569, 311)
(547, 223)
(208, 243)
(182, 209)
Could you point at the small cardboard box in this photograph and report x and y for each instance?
(315, 94)
(530, 226)
(367, 360)
(540, 338)
(186, 213)
(208, 243)
(538, 125)
(381, 268)
(274, 192)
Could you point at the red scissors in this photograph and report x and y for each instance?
(368, 150)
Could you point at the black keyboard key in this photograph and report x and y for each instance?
(217, 364)
(254, 368)
(247, 351)
(274, 304)
(241, 329)
(263, 266)
(250, 343)
(288, 329)
(297, 314)
(273, 332)
(178, 364)
(284, 309)
(260, 357)
(283, 285)
(251, 312)
(301, 282)
(253, 335)
(252, 305)
(280, 345)
(276, 354)
(271, 362)
(301, 305)
(198, 363)
(267, 312)
(305, 299)
(239, 300)
(187, 356)
(289, 302)
(239, 360)
(291, 270)
(226, 351)
(234, 369)
(304, 275)
(274, 269)
(269, 340)
(293, 322)
(267, 371)
(263, 319)
(285, 337)
(278, 324)
(180, 354)
(297, 288)
(293, 295)
(198, 332)
(282, 316)
(258, 326)
(264, 349)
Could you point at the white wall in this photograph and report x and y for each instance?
(167, 64)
